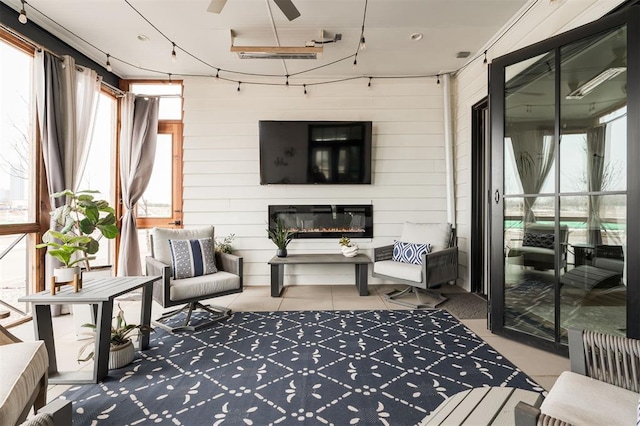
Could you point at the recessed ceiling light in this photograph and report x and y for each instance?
(143, 37)
(416, 36)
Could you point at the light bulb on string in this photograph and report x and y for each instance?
(304, 86)
(370, 78)
(174, 57)
(287, 82)
(363, 44)
(485, 57)
(239, 83)
(169, 78)
(217, 73)
(22, 18)
(438, 79)
(108, 64)
(355, 62)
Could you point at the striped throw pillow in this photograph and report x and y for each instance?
(409, 252)
(192, 258)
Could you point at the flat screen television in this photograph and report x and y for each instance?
(315, 152)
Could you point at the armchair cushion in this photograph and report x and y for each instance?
(202, 286)
(192, 258)
(161, 236)
(581, 400)
(403, 271)
(436, 234)
(410, 252)
(24, 364)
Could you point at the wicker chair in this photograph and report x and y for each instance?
(603, 386)
(438, 266)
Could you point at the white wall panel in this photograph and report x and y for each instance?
(221, 164)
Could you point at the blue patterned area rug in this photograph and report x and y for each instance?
(299, 368)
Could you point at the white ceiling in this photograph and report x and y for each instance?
(98, 27)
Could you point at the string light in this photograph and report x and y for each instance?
(108, 64)
(217, 72)
(485, 57)
(239, 83)
(369, 85)
(363, 44)
(304, 86)
(169, 78)
(438, 78)
(287, 82)
(23, 14)
(355, 61)
(174, 57)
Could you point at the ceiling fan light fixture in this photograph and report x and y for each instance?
(588, 87)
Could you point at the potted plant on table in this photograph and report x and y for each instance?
(348, 248)
(121, 350)
(78, 225)
(281, 237)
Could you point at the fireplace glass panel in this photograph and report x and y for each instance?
(324, 221)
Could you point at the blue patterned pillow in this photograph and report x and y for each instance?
(192, 258)
(409, 252)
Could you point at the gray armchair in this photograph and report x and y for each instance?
(436, 267)
(171, 291)
(602, 388)
(538, 246)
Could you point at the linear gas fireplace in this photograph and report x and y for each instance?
(325, 220)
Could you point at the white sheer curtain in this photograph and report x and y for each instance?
(534, 151)
(138, 135)
(596, 143)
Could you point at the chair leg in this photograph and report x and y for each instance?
(219, 313)
(393, 297)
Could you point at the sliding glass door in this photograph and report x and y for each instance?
(560, 187)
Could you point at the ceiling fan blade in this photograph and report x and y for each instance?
(287, 7)
(216, 6)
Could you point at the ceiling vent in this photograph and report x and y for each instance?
(276, 52)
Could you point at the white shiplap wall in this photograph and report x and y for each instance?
(221, 164)
(544, 20)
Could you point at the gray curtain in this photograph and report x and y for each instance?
(595, 175)
(534, 152)
(138, 136)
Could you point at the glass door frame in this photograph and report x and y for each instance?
(630, 17)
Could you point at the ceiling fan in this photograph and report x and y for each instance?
(286, 6)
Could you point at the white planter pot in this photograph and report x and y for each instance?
(65, 275)
(350, 251)
(122, 355)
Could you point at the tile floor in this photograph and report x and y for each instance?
(542, 366)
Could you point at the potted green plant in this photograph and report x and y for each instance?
(348, 248)
(121, 350)
(281, 237)
(78, 225)
(223, 244)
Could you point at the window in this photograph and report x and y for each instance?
(18, 177)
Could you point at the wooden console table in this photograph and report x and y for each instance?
(100, 293)
(361, 262)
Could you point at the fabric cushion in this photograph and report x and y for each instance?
(436, 234)
(581, 400)
(192, 258)
(409, 252)
(403, 271)
(161, 237)
(204, 285)
(23, 366)
(538, 239)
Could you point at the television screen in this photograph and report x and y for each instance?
(315, 152)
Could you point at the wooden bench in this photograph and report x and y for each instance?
(481, 406)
